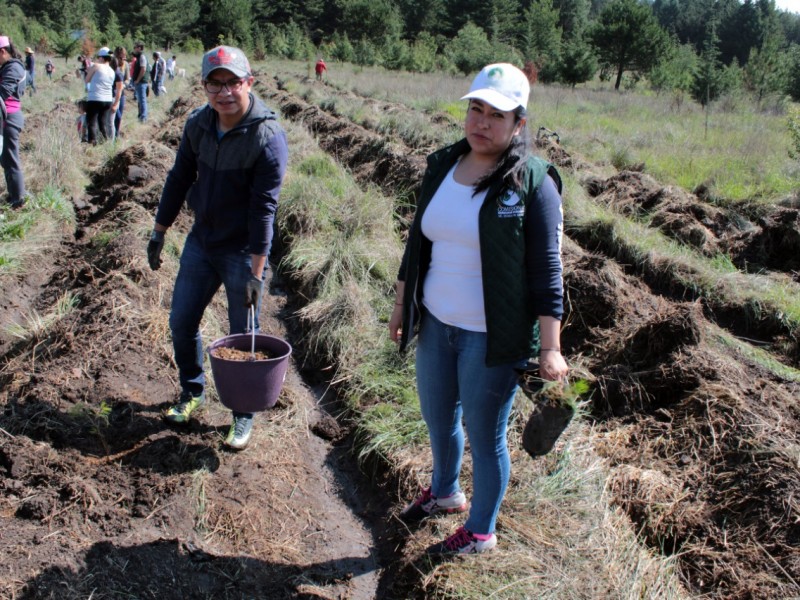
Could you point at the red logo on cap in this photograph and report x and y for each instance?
(221, 58)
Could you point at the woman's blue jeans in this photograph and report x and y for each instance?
(199, 277)
(454, 382)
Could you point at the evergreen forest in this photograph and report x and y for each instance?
(701, 48)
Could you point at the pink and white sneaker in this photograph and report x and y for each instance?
(463, 541)
(427, 505)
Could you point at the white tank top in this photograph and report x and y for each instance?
(101, 86)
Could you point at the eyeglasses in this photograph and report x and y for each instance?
(215, 87)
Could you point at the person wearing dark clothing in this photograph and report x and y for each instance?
(49, 68)
(229, 169)
(141, 79)
(122, 66)
(480, 284)
(157, 74)
(30, 69)
(100, 77)
(12, 86)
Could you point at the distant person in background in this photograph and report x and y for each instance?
(122, 66)
(118, 92)
(80, 121)
(157, 74)
(171, 64)
(131, 72)
(100, 77)
(480, 284)
(229, 170)
(49, 68)
(85, 62)
(141, 79)
(320, 68)
(30, 69)
(13, 80)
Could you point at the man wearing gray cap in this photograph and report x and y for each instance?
(229, 168)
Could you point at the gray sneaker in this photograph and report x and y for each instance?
(239, 433)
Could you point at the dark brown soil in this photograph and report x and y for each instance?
(99, 498)
(240, 355)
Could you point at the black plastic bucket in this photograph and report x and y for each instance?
(250, 385)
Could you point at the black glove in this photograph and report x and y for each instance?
(154, 248)
(252, 291)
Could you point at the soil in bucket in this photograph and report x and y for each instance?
(242, 355)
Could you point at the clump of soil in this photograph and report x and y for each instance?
(241, 355)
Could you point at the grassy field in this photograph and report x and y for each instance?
(739, 153)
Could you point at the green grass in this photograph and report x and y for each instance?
(742, 155)
(755, 355)
(37, 325)
(33, 229)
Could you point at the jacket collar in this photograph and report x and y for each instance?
(257, 113)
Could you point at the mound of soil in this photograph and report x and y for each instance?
(774, 244)
(137, 172)
(372, 158)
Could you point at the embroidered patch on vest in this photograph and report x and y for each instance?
(510, 205)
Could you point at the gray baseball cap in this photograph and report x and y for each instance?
(226, 57)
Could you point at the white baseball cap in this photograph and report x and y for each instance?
(104, 51)
(502, 85)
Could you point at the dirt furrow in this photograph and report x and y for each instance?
(100, 498)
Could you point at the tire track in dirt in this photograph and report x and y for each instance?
(98, 494)
(700, 437)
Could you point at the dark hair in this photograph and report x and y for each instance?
(120, 52)
(112, 62)
(511, 163)
(12, 51)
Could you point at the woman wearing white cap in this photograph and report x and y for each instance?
(481, 284)
(100, 77)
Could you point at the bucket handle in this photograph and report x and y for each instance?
(251, 327)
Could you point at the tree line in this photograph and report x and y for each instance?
(703, 48)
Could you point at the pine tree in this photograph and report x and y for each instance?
(577, 63)
(709, 80)
(627, 37)
(470, 50)
(541, 35)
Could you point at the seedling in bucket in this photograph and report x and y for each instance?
(253, 383)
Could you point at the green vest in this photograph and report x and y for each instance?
(512, 327)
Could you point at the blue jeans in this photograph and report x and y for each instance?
(12, 166)
(454, 382)
(141, 97)
(199, 277)
(118, 115)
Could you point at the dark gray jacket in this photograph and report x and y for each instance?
(232, 184)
